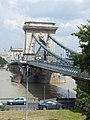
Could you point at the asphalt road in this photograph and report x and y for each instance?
(31, 106)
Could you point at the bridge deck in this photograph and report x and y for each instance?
(65, 70)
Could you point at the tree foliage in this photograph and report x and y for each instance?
(83, 102)
(83, 59)
(2, 61)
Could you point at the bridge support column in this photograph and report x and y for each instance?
(38, 75)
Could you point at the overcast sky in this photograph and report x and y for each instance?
(67, 14)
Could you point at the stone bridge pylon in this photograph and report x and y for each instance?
(41, 30)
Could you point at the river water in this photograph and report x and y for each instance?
(10, 89)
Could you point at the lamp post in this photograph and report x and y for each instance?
(27, 68)
(44, 92)
(68, 98)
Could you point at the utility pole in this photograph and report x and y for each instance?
(68, 98)
(44, 92)
(27, 69)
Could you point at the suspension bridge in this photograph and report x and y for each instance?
(42, 52)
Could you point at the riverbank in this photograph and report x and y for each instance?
(10, 89)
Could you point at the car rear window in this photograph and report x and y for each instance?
(21, 99)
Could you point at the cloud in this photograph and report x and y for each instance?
(66, 13)
(56, 9)
(12, 2)
(11, 24)
(68, 27)
(69, 41)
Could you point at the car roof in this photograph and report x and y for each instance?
(54, 102)
(50, 102)
(20, 97)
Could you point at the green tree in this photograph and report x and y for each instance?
(83, 59)
(2, 61)
(83, 102)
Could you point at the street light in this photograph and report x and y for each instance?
(27, 68)
(44, 92)
(68, 98)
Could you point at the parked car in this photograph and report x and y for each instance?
(17, 101)
(1, 103)
(50, 105)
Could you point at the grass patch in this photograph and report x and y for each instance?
(42, 115)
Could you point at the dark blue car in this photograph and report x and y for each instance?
(49, 105)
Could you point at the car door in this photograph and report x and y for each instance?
(54, 106)
(21, 100)
(16, 101)
(50, 106)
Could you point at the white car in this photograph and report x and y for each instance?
(17, 101)
(1, 104)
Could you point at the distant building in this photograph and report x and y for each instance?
(15, 54)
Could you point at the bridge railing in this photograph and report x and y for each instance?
(63, 69)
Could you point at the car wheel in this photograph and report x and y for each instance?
(44, 108)
(10, 103)
(24, 103)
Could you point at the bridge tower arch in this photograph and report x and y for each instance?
(41, 30)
